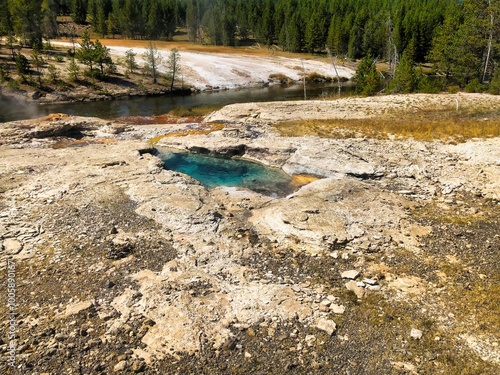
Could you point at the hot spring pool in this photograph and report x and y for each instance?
(213, 171)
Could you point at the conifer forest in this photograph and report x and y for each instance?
(460, 38)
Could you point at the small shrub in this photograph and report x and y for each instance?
(316, 77)
(4, 73)
(47, 47)
(428, 85)
(341, 79)
(110, 69)
(495, 84)
(53, 73)
(279, 77)
(474, 86)
(73, 70)
(94, 73)
(22, 64)
(13, 84)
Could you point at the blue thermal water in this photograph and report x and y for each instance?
(214, 171)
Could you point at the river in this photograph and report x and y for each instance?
(13, 109)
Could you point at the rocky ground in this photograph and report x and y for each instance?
(385, 264)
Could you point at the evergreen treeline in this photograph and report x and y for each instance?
(347, 27)
(461, 37)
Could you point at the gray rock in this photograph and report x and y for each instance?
(370, 281)
(351, 274)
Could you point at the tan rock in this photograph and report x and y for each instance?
(120, 366)
(75, 308)
(12, 247)
(353, 287)
(327, 325)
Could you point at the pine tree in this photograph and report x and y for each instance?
(73, 70)
(22, 66)
(130, 62)
(212, 26)
(405, 79)
(131, 23)
(114, 26)
(193, 20)
(101, 21)
(316, 30)
(266, 29)
(92, 13)
(38, 62)
(355, 41)
(153, 25)
(5, 20)
(153, 61)
(242, 15)
(49, 14)
(53, 73)
(493, 31)
(169, 15)
(86, 53)
(102, 58)
(11, 40)
(494, 87)
(79, 11)
(443, 51)
(173, 66)
(334, 38)
(228, 24)
(4, 73)
(367, 78)
(26, 16)
(473, 49)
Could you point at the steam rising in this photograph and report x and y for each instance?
(12, 108)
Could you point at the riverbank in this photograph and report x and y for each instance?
(110, 89)
(199, 72)
(391, 254)
(238, 69)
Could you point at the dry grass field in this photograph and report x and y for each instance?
(447, 125)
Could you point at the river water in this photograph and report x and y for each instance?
(12, 109)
